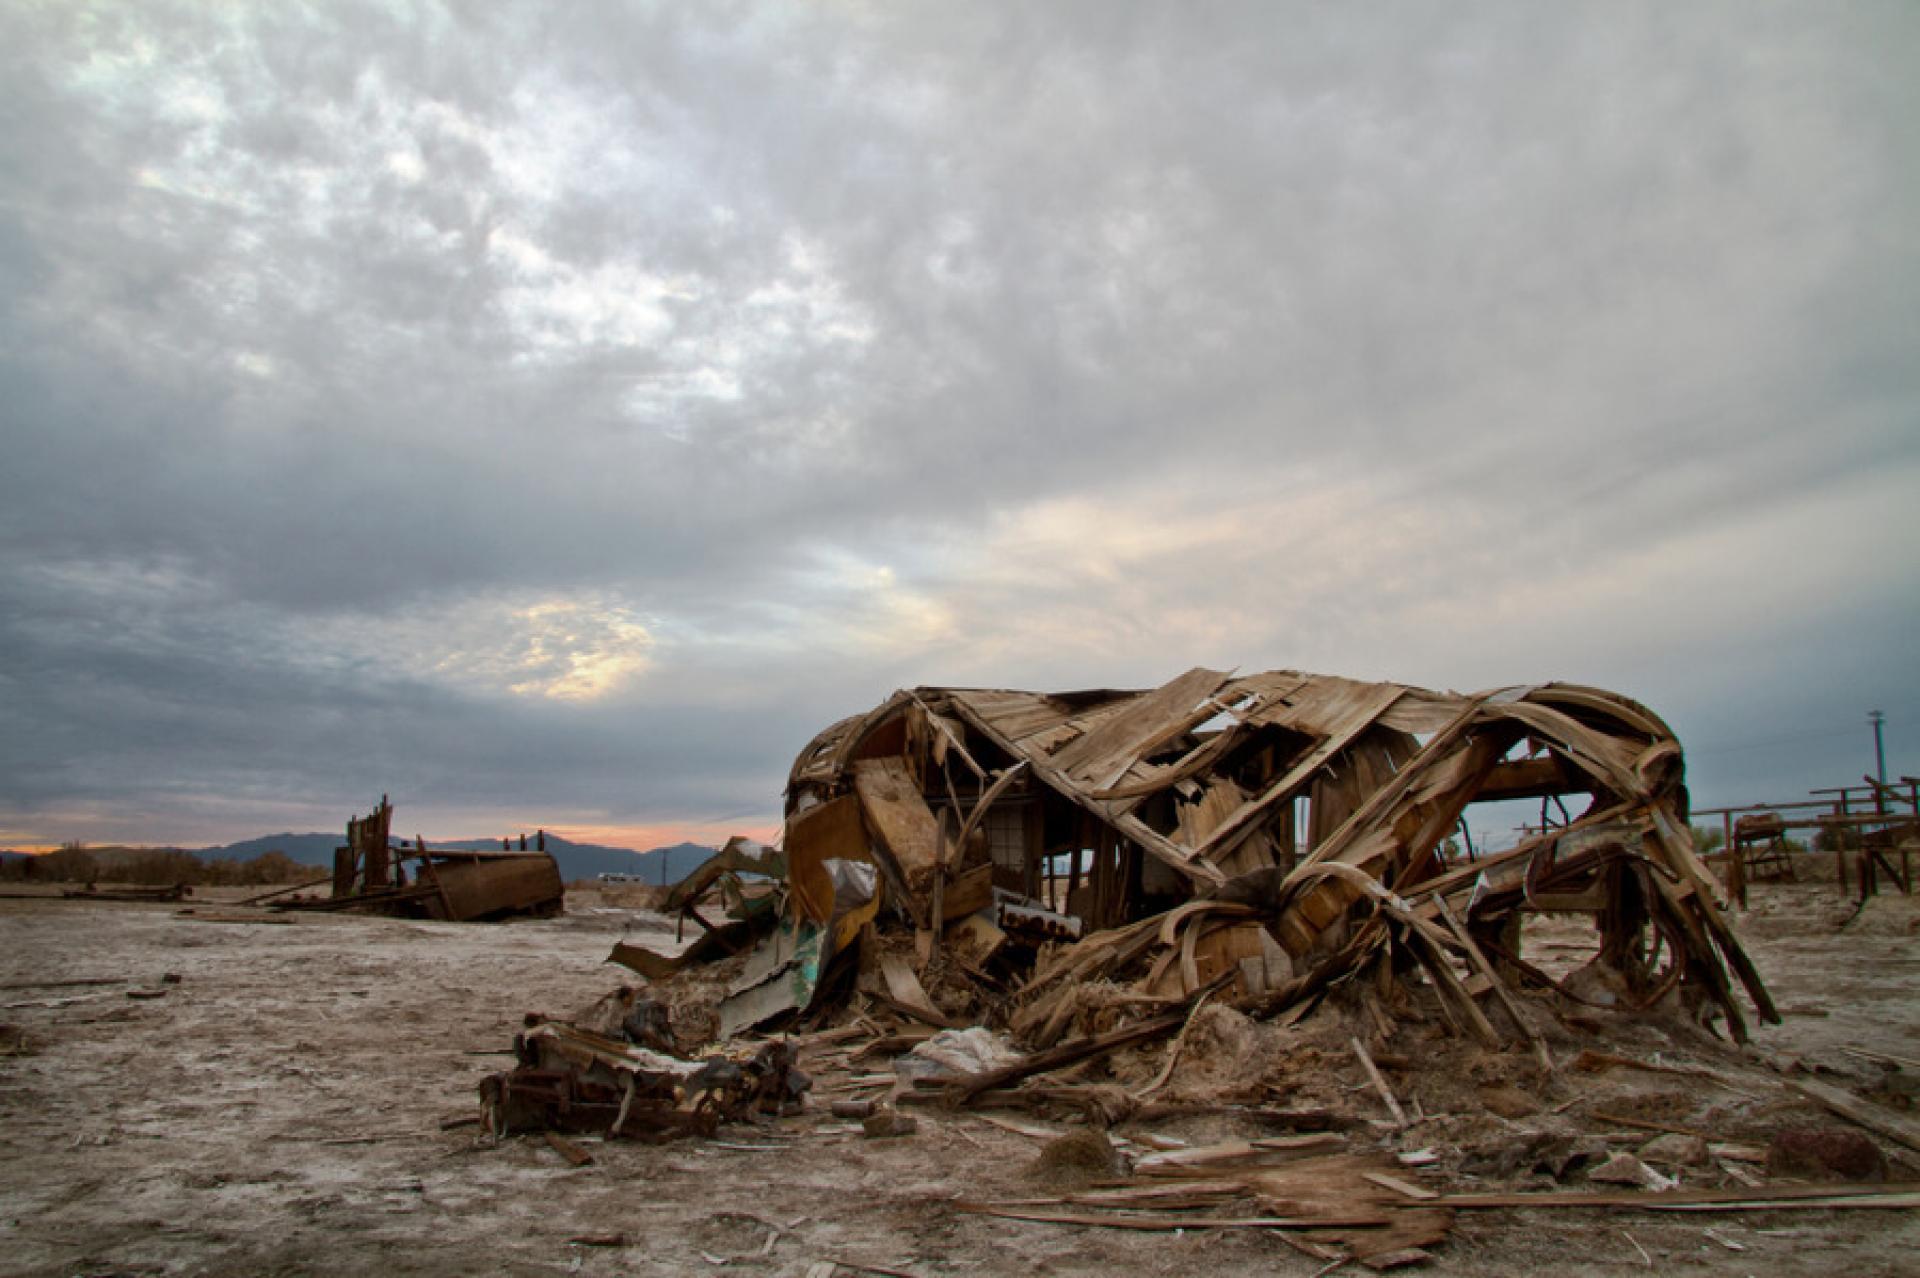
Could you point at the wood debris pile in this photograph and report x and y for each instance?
(1125, 909)
(611, 1071)
(1082, 869)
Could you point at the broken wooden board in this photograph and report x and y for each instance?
(828, 831)
(1744, 1198)
(899, 817)
(1149, 720)
(967, 893)
(1872, 1117)
(905, 991)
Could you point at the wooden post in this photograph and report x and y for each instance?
(1101, 881)
(1840, 838)
(1073, 868)
(1736, 862)
(1033, 839)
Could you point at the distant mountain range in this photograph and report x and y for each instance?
(576, 860)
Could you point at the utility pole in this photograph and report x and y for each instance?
(1879, 750)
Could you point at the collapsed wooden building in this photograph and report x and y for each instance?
(1254, 839)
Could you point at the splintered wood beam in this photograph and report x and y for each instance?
(1362, 718)
(1679, 849)
(1499, 987)
(1365, 817)
(1448, 983)
(1071, 1053)
(1151, 840)
(1144, 724)
(1379, 1083)
(979, 811)
(1871, 1117)
(1762, 1198)
(1529, 779)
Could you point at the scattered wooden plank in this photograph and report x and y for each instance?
(1309, 1141)
(1071, 1053)
(283, 891)
(1398, 1186)
(905, 993)
(68, 1001)
(1715, 1146)
(1399, 1258)
(1232, 1151)
(1379, 1083)
(1163, 1222)
(1767, 1197)
(568, 1150)
(221, 916)
(1035, 1131)
(1853, 1109)
(1181, 1194)
(857, 1267)
(1590, 1061)
(68, 984)
(1621, 1120)
(1883, 1058)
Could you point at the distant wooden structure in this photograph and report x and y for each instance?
(371, 875)
(1881, 821)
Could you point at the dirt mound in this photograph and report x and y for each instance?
(1081, 1157)
(1224, 1056)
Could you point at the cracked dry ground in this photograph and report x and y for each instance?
(279, 1110)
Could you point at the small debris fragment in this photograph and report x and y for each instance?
(1625, 1169)
(1826, 1153)
(1562, 1156)
(1728, 1243)
(1509, 1102)
(889, 1123)
(568, 1150)
(1676, 1150)
(1080, 1157)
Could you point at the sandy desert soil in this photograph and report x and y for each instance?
(278, 1111)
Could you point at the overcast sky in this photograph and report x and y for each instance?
(554, 414)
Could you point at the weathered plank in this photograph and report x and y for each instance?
(1872, 1117)
(1149, 720)
(898, 816)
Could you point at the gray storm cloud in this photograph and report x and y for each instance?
(560, 412)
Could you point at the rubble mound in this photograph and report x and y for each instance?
(1081, 1157)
